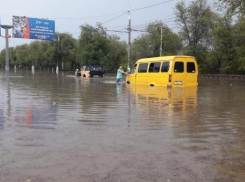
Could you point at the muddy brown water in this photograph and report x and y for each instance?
(65, 128)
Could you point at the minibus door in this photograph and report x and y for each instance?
(192, 73)
(153, 78)
(164, 74)
(141, 75)
(178, 76)
(131, 77)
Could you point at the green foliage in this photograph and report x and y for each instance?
(222, 45)
(233, 7)
(2, 59)
(239, 43)
(96, 47)
(216, 41)
(196, 21)
(43, 53)
(66, 51)
(228, 43)
(148, 45)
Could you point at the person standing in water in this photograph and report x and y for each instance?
(119, 74)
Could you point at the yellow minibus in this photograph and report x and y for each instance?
(167, 71)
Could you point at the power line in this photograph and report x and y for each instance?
(138, 10)
(115, 17)
(164, 21)
(152, 5)
(172, 19)
(98, 16)
(117, 34)
(140, 26)
(75, 33)
(124, 12)
(117, 31)
(117, 26)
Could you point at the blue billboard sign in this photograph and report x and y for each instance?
(33, 28)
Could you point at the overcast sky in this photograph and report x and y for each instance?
(70, 14)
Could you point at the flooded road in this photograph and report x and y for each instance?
(66, 128)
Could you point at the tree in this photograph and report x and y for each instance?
(117, 54)
(66, 50)
(96, 47)
(92, 45)
(43, 53)
(239, 42)
(233, 7)
(222, 53)
(196, 21)
(12, 56)
(148, 45)
(2, 59)
(35, 53)
(22, 55)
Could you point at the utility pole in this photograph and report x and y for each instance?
(161, 43)
(57, 67)
(7, 36)
(129, 38)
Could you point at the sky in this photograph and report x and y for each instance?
(69, 15)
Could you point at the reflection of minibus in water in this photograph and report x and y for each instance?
(164, 103)
(169, 71)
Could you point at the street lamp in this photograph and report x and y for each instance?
(7, 36)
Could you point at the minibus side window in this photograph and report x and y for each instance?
(154, 67)
(179, 67)
(165, 67)
(142, 68)
(191, 67)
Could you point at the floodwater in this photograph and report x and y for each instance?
(65, 128)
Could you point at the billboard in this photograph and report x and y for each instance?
(33, 28)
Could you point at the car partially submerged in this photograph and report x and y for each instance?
(90, 71)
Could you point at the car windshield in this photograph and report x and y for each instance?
(87, 68)
(96, 68)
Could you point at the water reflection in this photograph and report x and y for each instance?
(8, 94)
(94, 102)
(168, 105)
(119, 89)
(37, 117)
(2, 120)
(186, 134)
(28, 110)
(5, 101)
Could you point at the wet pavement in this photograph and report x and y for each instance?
(66, 128)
